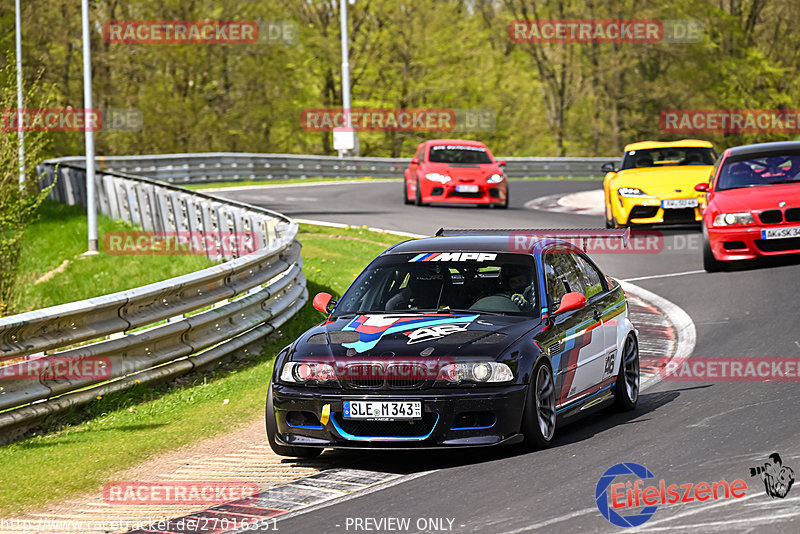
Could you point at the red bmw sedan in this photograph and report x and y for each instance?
(752, 204)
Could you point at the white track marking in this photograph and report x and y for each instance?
(371, 229)
(377, 487)
(553, 521)
(669, 275)
(684, 326)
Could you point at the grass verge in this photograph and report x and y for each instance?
(80, 451)
(60, 235)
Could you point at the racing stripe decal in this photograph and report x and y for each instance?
(594, 389)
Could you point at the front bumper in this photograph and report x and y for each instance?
(745, 243)
(448, 193)
(649, 211)
(443, 424)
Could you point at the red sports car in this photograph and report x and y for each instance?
(455, 171)
(752, 204)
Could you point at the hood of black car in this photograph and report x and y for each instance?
(405, 335)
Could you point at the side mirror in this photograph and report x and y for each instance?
(701, 188)
(608, 167)
(571, 301)
(501, 163)
(324, 302)
(415, 161)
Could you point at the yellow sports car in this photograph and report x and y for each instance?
(655, 183)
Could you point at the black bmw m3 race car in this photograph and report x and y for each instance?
(469, 338)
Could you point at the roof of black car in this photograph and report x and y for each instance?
(457, 243)
(761, 148)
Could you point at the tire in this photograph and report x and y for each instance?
(418, 196)
(406, 200)
(504, 205)
(626, 390)
(539, 417)
(272, 431)
(710, 263)
(609, 223)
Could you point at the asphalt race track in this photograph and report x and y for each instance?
(684, 432)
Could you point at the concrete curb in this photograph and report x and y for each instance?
(685, 334)
(580, 203)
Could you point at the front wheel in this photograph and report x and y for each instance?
(626, 390)
(418, 195)
(272, 431)
(504, 205)
(610, 222)
(406, 200)
(539, 419)
(710, 263)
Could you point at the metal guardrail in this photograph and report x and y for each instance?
(226, 166)
(160, 330)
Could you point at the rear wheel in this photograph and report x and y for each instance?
(272, 431)
(539, 419)
(710, 263)
(626, 390)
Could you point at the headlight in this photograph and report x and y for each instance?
(632, 192)
(305, 372)
(482, 372)
(495, 179)
(727, 219)
(436, 177)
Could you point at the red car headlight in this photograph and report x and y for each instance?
(729, 219)
(436, 177)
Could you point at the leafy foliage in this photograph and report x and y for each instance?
(19, 195)
(548, 99)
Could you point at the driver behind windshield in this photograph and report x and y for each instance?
(516, 291)
(422, 291)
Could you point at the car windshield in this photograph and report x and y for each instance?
(459, 154)
(773, 169)
(444, 281)
(667, 157)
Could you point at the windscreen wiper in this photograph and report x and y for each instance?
(448, 309)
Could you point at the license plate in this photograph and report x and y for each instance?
(383, 410)
(780, 233)
(679, 203)
(467, 188)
